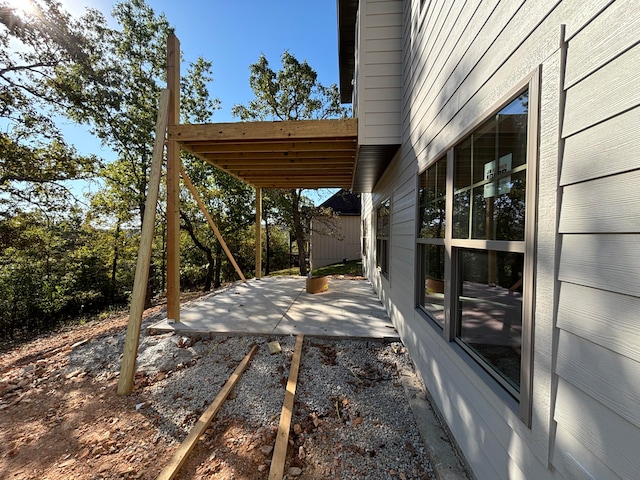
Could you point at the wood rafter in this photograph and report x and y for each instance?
(294, 154)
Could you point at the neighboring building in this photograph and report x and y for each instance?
(337, 238)
(499, 164)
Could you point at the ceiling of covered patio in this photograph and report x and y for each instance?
(291, 154)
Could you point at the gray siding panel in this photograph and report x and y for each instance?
(575, 461)
(611, 33)
(597, 406)
(604, 318)
(607, 262)
(614, 440)
(608, 148)
(379, 68)
(605, 205)
(466, 58)
(589, 367)
(608, 92)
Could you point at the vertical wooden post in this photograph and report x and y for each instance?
(132, 339)
(173, 183)
(258, 232)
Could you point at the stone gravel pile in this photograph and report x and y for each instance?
(351, 419)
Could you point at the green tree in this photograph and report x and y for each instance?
(292, 93)
(116, 93)
(227, 199)
(35, 160)
(52, 267)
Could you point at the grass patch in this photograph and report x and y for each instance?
(286, 271)
(353, 267)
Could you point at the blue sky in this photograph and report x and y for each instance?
(232, 35)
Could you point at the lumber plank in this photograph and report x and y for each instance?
(258, 232)
(132, 338)
(286, 130)
(282, 440)
(170, 471)
(173, 183)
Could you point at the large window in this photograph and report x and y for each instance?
(383, 229)
(474, 275)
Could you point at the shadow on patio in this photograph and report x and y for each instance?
(281, 306)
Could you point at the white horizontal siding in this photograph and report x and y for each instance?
(383, 94)
(467, 56)
(328, 248)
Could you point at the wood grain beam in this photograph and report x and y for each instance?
(286, 148)
(265, 130)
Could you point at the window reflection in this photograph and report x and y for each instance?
(432, 274)
(431, 234)
(432, 200)
(489, 183)
(490, 308)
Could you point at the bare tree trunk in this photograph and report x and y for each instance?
(188, 227)
(216, 278)
(210, 269)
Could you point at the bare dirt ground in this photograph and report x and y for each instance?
(58, 423)
(67, 426)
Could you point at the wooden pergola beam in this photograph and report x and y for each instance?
(279, 131)
(257, 153)
(308, 185)
(268, 166)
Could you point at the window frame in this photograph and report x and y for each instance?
(527, 246)
(383, 239)
(423, 241)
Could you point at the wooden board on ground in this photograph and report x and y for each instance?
(282, 440)
(170, 471)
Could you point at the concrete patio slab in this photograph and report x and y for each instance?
(281, 306)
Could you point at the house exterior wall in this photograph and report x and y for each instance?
(328, 248)
(460, 62)
(379, 72)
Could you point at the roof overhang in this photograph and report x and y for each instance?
(373, 160)
(347, 14)
(292, 154)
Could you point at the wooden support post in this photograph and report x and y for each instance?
(203, 209)
(170, 471)
(282, 439)
(128, 367)
(173, 183)
(258, 232)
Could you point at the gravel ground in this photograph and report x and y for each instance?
(351, 419)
